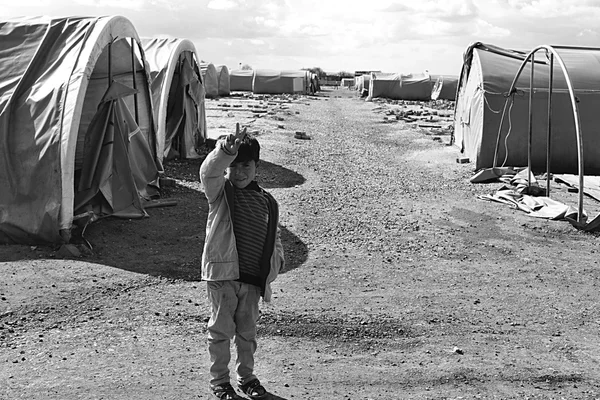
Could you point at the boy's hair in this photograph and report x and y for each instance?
(249, 150)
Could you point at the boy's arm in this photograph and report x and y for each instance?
(212, 170)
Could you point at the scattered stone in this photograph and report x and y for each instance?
(301, 135)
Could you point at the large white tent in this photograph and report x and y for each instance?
(492, 122)
(400, 86)
(210, 79)
(444, 87)
(76, 125)
(267, 81)
(223, 80)
(178, 96)
(240, 80)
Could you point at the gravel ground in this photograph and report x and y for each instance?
(399, 283)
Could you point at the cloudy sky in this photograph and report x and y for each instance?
(342, 35)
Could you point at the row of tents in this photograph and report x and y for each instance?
(220, 81)
(510, 111)
(87, 113)
(90, 112)
(416, 86)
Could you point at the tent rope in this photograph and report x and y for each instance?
(508, 133)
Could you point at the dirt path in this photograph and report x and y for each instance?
(400, 283)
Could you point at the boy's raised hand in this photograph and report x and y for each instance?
(233, 142)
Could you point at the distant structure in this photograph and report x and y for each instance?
(368, 72)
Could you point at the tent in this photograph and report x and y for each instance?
(400, 86)
(347, 83)
(314, 83)
(359, 84)
(178, 96)
(362, 83)
(279, 82)
(240, 80)
(223, 80)
(76, 128)
(492, 125)
(210, 79)
(444, 87)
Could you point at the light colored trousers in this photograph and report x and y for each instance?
(234, 313)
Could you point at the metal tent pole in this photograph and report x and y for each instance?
(549, 137)
(530, 133)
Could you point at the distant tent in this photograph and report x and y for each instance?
(279, 82)
(362, 83)
(359, 83)
(76, 126)
(240, 80)
(210, 79)
(223, 80)
(487, 74)
(400, 86)
(308, 86)
(444, 87)
(296, 80)
(347, 82)
(178, 96)
(314, 83)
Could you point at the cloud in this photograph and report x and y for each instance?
(346, 34)
(99, 4)
(222, 4)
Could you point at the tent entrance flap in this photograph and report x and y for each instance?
(182, 132)
(118, 169)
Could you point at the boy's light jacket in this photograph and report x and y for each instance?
(220, 257)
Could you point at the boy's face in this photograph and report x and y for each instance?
(241, 173)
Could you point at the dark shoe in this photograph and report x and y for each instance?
(225, 391)
(254, 390)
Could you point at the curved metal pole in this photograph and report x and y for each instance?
(500, 130)
(530, 126)
(576, 118)
(549, 135)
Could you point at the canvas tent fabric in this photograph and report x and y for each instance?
(240, 80)
(210, 79)
(347, 82)
(47, 130)
(267, 81)
(314, 83)
(400, 86)
(223, 80)
(487, 74)
(444, 87)
(362, 82)
(178, 96)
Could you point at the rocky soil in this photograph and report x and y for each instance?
(400, 283)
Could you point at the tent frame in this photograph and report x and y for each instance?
(552, 54)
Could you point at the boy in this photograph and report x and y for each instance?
(242, 256)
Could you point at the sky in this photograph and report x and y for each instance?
(341, 35)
